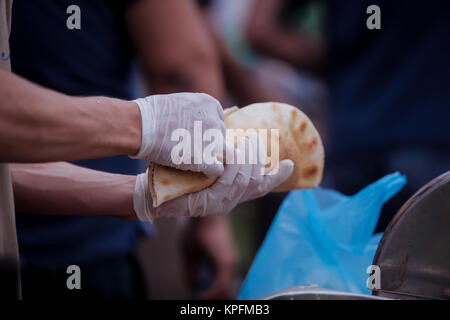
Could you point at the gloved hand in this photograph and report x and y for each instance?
(239, 183)
(163, 114)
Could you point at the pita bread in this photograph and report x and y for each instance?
(298, 141)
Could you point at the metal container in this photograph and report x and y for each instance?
(414, 253)
(313, 293)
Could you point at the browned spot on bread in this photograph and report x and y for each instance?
(309, 172)
(313, 143)
(275, 107)
(165, 182)
(303, 126)
(166, 198)
(293, 113)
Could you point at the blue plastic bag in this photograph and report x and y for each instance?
(321, 237)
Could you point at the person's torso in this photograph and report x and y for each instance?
(93, 60)
(389, 88)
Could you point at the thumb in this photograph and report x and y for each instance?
(212, 170)
(217, 169)
(273, 180)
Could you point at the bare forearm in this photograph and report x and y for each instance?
(175, 48)
(64, 189)
(302, 50)
(244, 86)
(266, 34)
(196, 76)
(40, 125)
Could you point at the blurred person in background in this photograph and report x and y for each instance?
(256, 76)
(175, 53)
(250, 76)
(389, 87)
(242, 84)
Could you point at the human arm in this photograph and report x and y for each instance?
(179, 52)
(241, 82)
(174, 47)
(209, 242)
(61, 188)
(269, 36)
(41, 125)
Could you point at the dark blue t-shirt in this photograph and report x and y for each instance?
(95, 60)
(390, 88)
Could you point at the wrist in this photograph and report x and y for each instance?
(130, 128)
(146, 129)
(130, 213)
(142, 202)
(135, 121)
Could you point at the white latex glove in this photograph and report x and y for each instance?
(239, 183)
(162, 114)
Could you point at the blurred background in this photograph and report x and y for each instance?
(380, 99)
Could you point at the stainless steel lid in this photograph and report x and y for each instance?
(314, 293)
(414, 253)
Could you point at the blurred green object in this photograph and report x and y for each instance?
(310, 18)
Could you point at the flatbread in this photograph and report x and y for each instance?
(298, 141)
(167, 183)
